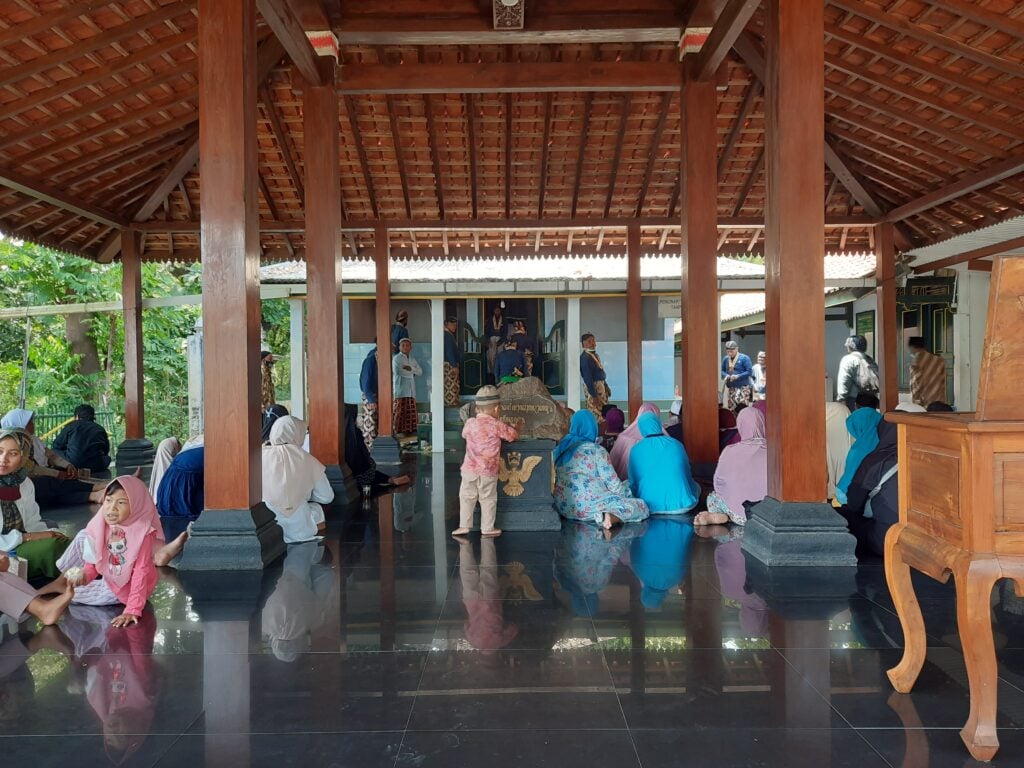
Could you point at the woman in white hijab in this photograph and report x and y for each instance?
(165, 453)
(294, 483)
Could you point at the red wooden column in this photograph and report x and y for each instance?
(634, 321)
(230, 251)
(885, 315)
(699, 300)
(381, 251)
(795, 249)
(323, 269)
(131, 301)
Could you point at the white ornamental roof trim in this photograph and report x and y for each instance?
(1000, 232)
(838, 266)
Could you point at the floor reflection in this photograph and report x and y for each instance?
(391, 644)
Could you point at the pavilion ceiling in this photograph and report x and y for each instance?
(541, 141)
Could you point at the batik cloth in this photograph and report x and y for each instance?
(738, 396)
(451, 386)
(367, 423)
(598, 401)
(406, 419)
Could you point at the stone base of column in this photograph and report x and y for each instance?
(387, 452)
(133, 455)
(233, 540)
(780, 533)
(342, 482)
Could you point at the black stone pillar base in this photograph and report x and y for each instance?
(525, 501)
(387, 452)
(342, 482)
(798, 534)
(233, 540)
(135, 454)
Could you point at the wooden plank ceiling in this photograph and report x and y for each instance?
(537, 141)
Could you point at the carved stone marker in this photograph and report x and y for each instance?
(526, 480)
(528, 400)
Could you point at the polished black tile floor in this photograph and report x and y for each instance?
(390, 644)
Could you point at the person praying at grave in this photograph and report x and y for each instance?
(295, 484)
(527, 345)
(483, 434)
(629, 437)
(614, 422)
(586, 486)
(659, 471)
(510, 364)
(872, 497)
(742, 473)
(404, 370)
(598, 393)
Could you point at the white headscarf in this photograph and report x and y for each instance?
(165, 453)
(289, 473)
(18, 418)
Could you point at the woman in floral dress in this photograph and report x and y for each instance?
(586, 486)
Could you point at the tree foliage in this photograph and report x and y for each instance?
(33, 275)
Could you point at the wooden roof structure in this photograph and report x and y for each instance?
(465, 137)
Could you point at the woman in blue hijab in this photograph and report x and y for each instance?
(586, 486)
(660, 557)
(862, 425)
(659, 471)
(180, 497)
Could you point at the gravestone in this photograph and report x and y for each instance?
(527, 473)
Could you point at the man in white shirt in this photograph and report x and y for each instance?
(405, 369)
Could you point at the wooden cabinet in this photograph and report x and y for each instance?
(962, 509)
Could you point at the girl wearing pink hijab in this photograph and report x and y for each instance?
(630, 436)
(742, 473)
(119, 546)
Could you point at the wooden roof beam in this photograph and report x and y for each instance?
(727, 28)
(544, 152)
(500, 225)
(396, 141)
(20, 183)
(509, 77)
(281, 138)
(749, 183)
(978, 253)
(364, 164)
(287, 29)
(176, 172)
(435, 159)
(588, 105)
(655, 144)
(617, 154)
(969, 183)
(753, 91)
(508, 156)
(354, 28)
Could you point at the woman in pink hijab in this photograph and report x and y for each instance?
(630, 436)
(742, 473)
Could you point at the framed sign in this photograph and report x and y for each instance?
(864, 325)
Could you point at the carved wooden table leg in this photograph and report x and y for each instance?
(897, 574)
(974, 582)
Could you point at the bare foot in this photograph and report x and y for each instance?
(491, 533)
(460, 534)
(50, 611)
(55, 587)
(169, 551)
(610, 521)
(401, 480)
(711, 518)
